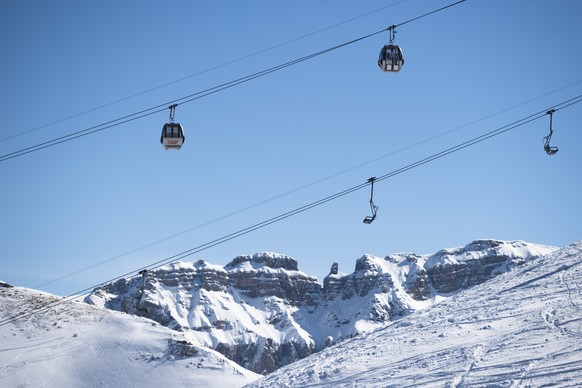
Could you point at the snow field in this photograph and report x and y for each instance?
(74, 344)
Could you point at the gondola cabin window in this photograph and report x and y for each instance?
(172, 136)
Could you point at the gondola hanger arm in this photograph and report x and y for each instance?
(392, 30)
(172, 109)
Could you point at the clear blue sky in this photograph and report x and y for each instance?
(321, 126)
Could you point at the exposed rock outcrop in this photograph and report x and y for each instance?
(266, 275)
(451, 270)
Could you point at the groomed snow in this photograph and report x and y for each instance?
(519, 329)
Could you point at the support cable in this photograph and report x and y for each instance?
(205, 71)
(197, 95)
(257, 204)
(283, 216)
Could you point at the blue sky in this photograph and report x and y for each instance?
(284, 140)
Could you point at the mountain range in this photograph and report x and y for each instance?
(263, 313)
(491, 313)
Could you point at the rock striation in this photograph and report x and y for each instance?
(262, 312)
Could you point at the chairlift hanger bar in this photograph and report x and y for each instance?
(549, 149)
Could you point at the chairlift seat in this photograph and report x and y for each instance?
(369, 219)
(550, 150)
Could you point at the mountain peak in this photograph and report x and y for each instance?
(264, 259)
(334, 270)
(367, 263)
(485, 248)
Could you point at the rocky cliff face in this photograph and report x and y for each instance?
(243, 310)
(262, 312)
(269, 275)
(450, 270)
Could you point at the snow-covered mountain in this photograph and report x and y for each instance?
(516, 320)
(73, 344)
(521, 329)
(263, 313)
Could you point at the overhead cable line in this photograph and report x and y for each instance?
(198, 95)
(204, 71)
(425, 15)
(481, 138)
(182, 100)
(402, 149)
(81, 270)
(283, 216)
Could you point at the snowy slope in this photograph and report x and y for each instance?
(522, 328)
(519, 328)
(77, 345)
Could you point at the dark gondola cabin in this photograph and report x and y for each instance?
(390, 58)
(172, 136)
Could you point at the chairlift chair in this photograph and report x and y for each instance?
(369, 219)
(549, 149)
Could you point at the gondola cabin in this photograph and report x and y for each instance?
(172, 136)
(390, 58)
